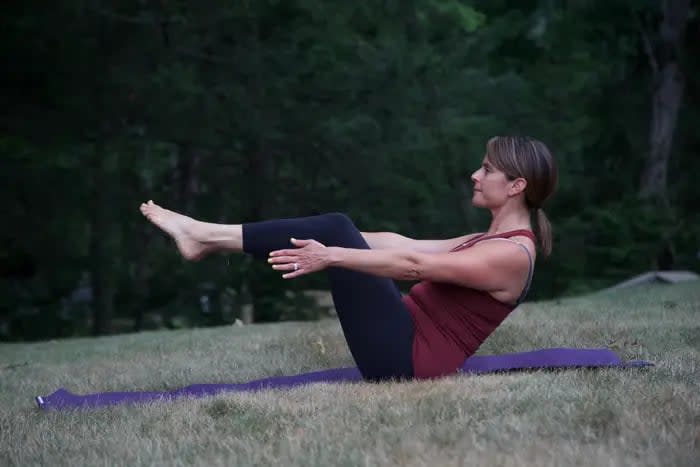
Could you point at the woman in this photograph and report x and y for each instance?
(467, 285)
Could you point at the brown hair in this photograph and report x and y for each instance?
(523, 157)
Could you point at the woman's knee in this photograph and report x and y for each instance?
(340, 220)
(339, 230)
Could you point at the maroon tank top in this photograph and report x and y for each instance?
(452, 321)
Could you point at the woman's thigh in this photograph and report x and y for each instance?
(376, 323)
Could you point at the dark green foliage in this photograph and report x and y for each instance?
(241, 111)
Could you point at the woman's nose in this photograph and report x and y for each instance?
(474, 177)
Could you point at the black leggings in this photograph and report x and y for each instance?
(377, 325)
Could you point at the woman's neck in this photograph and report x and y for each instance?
(507, 219)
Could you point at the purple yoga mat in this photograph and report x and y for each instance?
(477, 364)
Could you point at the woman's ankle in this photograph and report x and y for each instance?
(228, 237)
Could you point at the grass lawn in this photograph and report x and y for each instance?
(572, 417)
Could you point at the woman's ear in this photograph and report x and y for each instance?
(518, 186)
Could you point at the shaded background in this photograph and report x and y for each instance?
(235, 111)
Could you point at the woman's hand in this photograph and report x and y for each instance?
(310, 256)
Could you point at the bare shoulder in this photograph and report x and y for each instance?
(508, 249)
(527, 242)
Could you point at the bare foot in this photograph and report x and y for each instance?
(184, 230)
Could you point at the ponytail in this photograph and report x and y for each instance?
(543, 230)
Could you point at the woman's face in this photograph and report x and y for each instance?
(491, 186)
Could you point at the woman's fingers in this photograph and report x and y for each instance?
(299, 242)
(282, 259)
(290, 260)
(292, 275)
(286, 263)
(284, 252)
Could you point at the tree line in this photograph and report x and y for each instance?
(241, 111)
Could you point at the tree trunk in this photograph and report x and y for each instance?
(667, 95)
(139, 284)
(100, 262)
(259, 168)
(101, 244)
(666, 101)
(185, 176)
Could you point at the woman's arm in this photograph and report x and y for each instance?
(384, 240)
(399, 264)
(391, 240)
(489, 266)
(494, 267)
